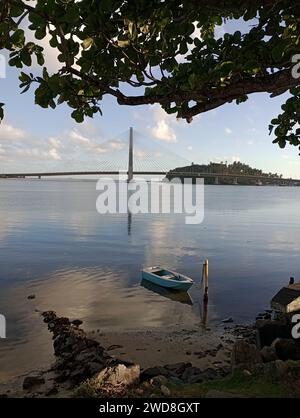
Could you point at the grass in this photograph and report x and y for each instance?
(237, 384)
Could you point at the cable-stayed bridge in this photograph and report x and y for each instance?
(131, 154)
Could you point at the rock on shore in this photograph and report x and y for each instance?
(84, 368)
(78, 357)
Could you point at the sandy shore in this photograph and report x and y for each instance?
(205, 349)
(156, 348)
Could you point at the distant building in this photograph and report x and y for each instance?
(287, 300)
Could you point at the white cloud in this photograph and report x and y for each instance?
(79, 138)
(90, 144)
(139, 154)
(55, 142)
(190, 148)
(38, 154)
(117, 145)
(162, 129)
(9, 132)
(53, 153)
(138, 115)
(81, 146)
(228, 131)
(22, 150)
(100, 150)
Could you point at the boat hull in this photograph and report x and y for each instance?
(170, 284)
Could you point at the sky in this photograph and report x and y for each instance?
(35, 138)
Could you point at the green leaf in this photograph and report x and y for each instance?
(192, 80)
(15, 62)
(278, 51)
(16, 10)
(282, 143)
(275, 122)
(78, 115)
(1, 111)
(72, 14)
(40, 58)
(237, 36)
(18, 38)
(25, 57)
(25, 78)
(25, 89)
(41, 32)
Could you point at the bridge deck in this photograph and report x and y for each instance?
(161, 173)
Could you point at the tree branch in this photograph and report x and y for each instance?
(206, 98)
(275, 84)
(272, 83)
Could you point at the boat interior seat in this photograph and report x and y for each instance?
(168, 276)
(163, 274)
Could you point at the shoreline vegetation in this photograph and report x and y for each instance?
(259, 360)
(224, 174)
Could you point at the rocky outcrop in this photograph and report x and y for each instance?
(32, 381)
(114, 380)
(268, 354)
(268, 330)
(82, 361)
(286, 349)
(78, 357)
(180, 373)
(245, 356)
(283, 371)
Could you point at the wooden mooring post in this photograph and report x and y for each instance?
(205, 280)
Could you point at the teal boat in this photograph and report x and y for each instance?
(167, 278)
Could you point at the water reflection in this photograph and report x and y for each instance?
(175, 295)
(102, 298)
(85, 265)
(129, 222)
(204, 313)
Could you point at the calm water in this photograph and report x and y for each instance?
(84, 265)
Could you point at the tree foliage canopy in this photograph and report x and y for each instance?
(154, 51)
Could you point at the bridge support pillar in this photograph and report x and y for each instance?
(130, 158)
(216, 180)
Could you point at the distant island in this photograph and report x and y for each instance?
(227, 174)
